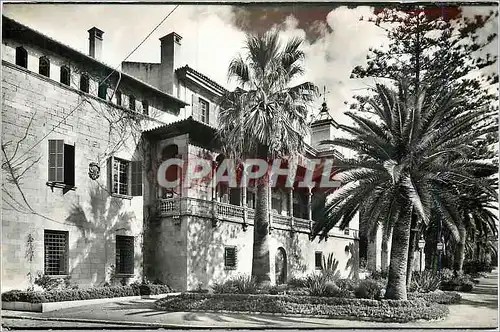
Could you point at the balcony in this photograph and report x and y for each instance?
(233, 213)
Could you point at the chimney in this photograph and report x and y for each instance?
(95, 43)
(170, 46)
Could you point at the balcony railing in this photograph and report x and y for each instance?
(203, 208)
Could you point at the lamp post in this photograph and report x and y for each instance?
(421, 246)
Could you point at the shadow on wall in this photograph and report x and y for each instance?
(206, 245)
(353, 262)
(94, 251)
(296, 260)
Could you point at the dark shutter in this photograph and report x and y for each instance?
(56, 160)
(110, 174)
(230, 257)
(69, 164)
(318, 260)
(136, 178)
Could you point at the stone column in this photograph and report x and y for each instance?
(243, 188)
(309, 208)
(290, 206)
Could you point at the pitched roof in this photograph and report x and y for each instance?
(15, 30)
(204, 78)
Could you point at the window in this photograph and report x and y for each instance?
(44, 66)
(102, 92)
(125, 177)
(84, 83)
(21, 57)
(204, 110)
(230, 257)
(55, 245)
(318, 260)
(61, 162)
(145, 107)
(124, 254)
(119, 98)
(65, 75)
(276, 204)
(250, 199)
(346, 231)
(131, 102)
(136, 180)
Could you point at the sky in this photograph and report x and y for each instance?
(335, 39)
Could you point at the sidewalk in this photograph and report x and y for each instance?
(478, 309)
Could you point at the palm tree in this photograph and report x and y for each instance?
(405, 149)
(265, 118)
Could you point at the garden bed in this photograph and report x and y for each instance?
(310, 306)
(440, 297)
(67, 298)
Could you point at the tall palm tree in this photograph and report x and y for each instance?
(265, 118)
(405, 147)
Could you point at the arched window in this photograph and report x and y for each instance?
(173, 172)
(222, 189)
(21, 57)
(65, 75)
(44, 66)
(84, 83)
(280, 266)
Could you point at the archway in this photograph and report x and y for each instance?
(280, 266)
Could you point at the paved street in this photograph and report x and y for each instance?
(478, 309)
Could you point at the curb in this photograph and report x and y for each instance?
(94, 321)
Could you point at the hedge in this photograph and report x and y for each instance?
(340, 308)
(84, 294)
(437, 297)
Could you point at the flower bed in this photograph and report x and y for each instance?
(437, 297)
(83, 294)
(340, 308)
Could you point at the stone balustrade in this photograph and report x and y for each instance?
(223, 211)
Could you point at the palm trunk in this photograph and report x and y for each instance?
(261, 265)
(411, 256)
(396, 283)
(460, 251)
(384, 255)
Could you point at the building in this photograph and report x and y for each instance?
(81, 145)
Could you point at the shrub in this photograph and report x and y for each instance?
(332, 307)
(245, 285)
(316, 285)
(368, 289)
(329, 268)
(297, 282)
(446, 274)
(424, 281)
(223, 288)
(471, 267)
(379, 275)
(240, 285)
(83, 294)
(462, 283)
(437, 297)
(276, 290)
(347, 284)
(50, 283)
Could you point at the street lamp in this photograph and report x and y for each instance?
(439, 249)
(421, 246)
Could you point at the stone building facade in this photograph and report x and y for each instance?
(81, 143)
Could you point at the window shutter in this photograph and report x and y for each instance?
(136, 178)
(56, 160)
(195, 108)
(111, 173)
(207, 114)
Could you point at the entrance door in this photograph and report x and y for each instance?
(280, 266)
